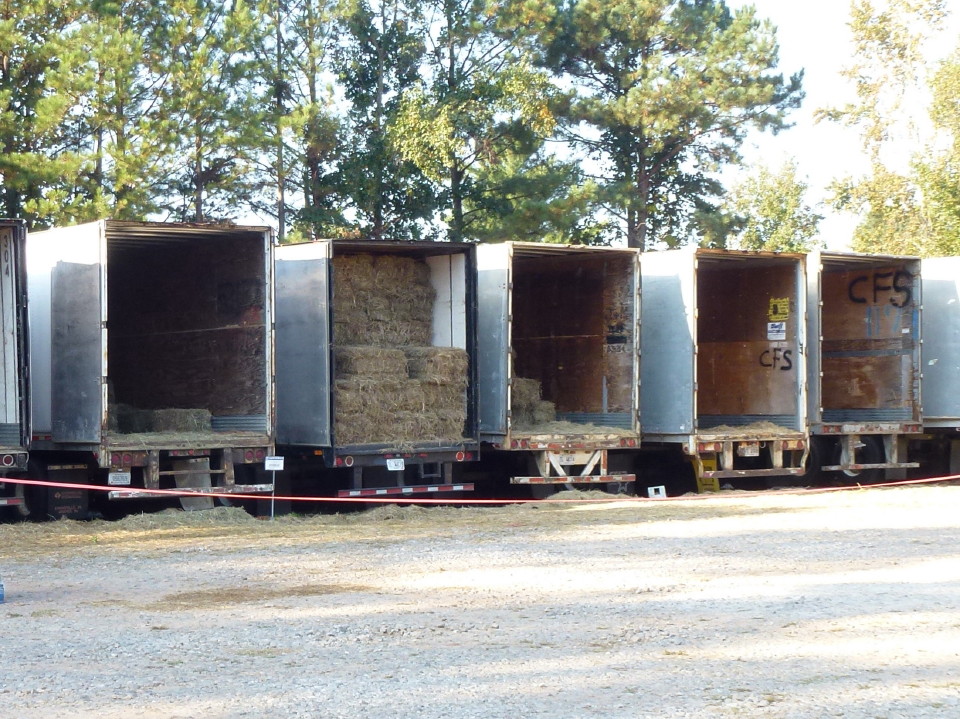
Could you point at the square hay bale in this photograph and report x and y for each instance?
(444, 365)
(181, 420)
(439, 395)
(544, 412)
(369, 361)
(525, 393)
(383, 300)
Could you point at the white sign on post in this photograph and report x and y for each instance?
(273, 464)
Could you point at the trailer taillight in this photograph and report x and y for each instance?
(8, 460)
(461, 456)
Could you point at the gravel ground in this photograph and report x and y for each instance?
(740, 605)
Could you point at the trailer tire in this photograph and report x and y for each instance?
(34, 507)
(871, 452)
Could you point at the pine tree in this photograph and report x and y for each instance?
(43, 76)
(663, 93)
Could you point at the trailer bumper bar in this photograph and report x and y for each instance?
(412, 489)
(575, 479)
(232, 489)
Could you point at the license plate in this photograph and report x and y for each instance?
(395, 465)
(751, 449)
(118, 479)
(566, 459)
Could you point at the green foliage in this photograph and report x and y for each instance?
(377, 59)
(901, 210)
(206, 68)
(385, 118)
(529, 196)
(480, 86)
(42, 80)
(662, 95)
(938, 174)
(772, 212)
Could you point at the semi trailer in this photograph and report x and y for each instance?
(151, 361)
(376, 366)
(724, 353)
(559, 358)
(14, 360)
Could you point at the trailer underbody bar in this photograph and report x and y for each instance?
(232, 489)
(576, 479)
(413, 489)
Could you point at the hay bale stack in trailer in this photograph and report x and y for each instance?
(383, 357)
(376, 351)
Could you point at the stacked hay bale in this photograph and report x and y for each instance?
(392, 386)
(528, 409)
(125, 419)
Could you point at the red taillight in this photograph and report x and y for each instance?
(348, 461)
(461, 456)
(8, 460)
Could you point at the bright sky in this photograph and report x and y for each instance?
(814, 36)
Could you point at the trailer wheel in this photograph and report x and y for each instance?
(871, 452)
(34, 505)
(542, 491)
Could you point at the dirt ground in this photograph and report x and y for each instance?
(769, 605)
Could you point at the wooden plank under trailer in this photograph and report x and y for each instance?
(554, 468)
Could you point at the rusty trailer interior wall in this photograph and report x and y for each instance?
(869, 319)
(747, 331)
(186, 325)
(573, 320)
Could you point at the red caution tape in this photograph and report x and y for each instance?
(185, 492)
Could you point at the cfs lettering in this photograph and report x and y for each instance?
(777, 358)
(898, 284)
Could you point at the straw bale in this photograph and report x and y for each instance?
(544, 411)
(433, 425)
(125, 419)
(442, 395)
(405, 270)
(442, 364)
(369, 361)
(382, 300)
(355, 271)
(400, 334)
(525, 394)
(180, 420)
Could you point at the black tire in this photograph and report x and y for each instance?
(871, 452)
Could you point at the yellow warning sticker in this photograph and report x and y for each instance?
(779, 309)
